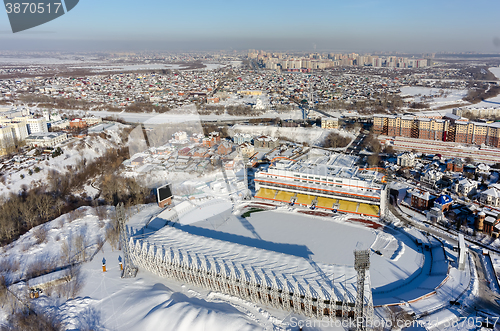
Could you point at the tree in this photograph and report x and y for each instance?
(373, 159)
(335, 140)
(389, 150)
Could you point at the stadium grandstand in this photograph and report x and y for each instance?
(328, 182)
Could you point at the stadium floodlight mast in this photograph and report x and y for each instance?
(246, 194)
(228, 187)
(361, 264)
(129, 269)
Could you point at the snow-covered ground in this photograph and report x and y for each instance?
(491, 102)
(312, 136)
(75, 150)
(442, 97)
(30, 250)
(321, 236)
(130, 67)
(147, 302)
(172, 117)
(306, 246)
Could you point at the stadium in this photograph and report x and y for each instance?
(291, 245)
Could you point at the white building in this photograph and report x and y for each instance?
(92, 120)
(465, 186)
(246, 149)
(37, 125)
(59, 125)
(491, 196)
(329, 182)
(46, 139)
(180, 136)
(19, 131)
(431, 177)
(240, 138)
(406, 160)
(6, 139)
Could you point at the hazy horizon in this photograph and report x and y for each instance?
(363, 26)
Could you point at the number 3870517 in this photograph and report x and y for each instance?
(32, 7)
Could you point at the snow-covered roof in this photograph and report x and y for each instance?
(422, 194)
(466, 182)
(492, 192)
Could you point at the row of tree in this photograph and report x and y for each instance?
(21, 212)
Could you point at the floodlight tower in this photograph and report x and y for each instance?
(129, 269)
(223, 168)
(361, 264)
(246, 194)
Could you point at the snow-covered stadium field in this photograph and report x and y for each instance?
(317, 249)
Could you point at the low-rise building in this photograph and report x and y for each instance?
(46, 139)
(59, 125)
(421, 199)
(455, 165)
(224, 148)
(490, 197)
(91, 120)
(329, 123)
(240, 138)
(489, 224)
(465, 187)
(406, 160)
(431, 177)
(435, 214)
(77, 123)
(246, 149)
(443, 202)
(266, 142)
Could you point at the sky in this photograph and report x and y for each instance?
(355, 25)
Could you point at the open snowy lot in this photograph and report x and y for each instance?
(311, 136)
(491, 102)
(179, 117)
(440, 97)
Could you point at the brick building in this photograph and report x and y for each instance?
(421, 199)
(77, 123)
(455, 165)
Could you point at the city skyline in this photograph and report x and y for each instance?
(364, 26)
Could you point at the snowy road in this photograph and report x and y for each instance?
(486, 300)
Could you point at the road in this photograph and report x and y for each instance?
(486, 300)
(356, 145)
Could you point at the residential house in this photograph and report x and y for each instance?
(455, 165)
(490, 197)
(406, 160)
(465, 186)
(421, 199)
